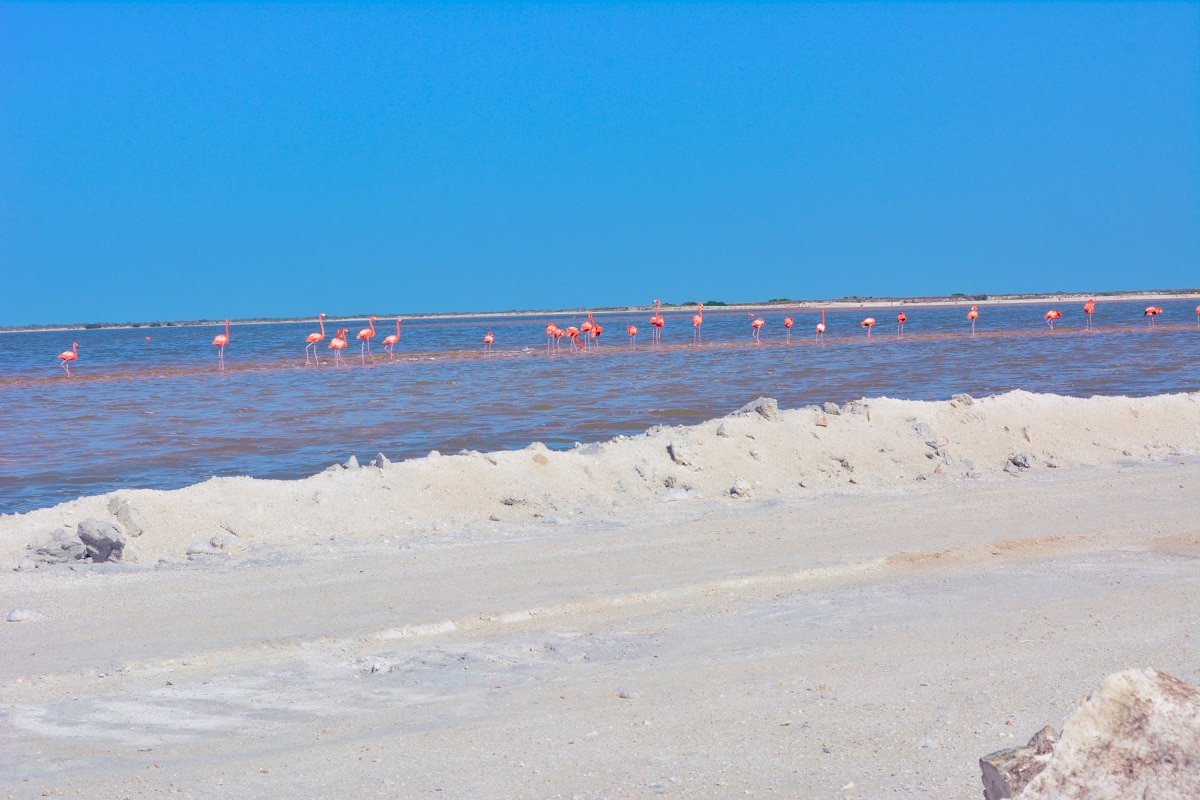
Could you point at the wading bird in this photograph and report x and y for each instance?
(821, 326)
(868, 323)
(551, 330)
(487, 342)
(390, 342)
(220, 341)
(788, 322)
(632, 331)
(697, 321)
(1151, 312)
(900, 320)
(313, 339)
(337, 344)
(657, 323)
(1088, 308)
(1052, 315)
(67, 356)
(587, 326)
(973, 315)
(365, 336)
(757, 324)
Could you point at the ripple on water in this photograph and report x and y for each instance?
(159, 415)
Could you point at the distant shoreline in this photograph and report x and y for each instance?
(931, 301)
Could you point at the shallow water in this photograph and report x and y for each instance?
(158, 413)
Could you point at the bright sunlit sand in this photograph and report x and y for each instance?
(774, 601)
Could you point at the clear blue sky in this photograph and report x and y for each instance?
(180, 162)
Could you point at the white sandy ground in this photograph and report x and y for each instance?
(608, 622)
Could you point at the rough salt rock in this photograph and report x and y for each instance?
(59, 546)
(105, 541)
(740, 488)
(204, 549)
(681, 452)
(926, 434)
(127, 515)
(675, 495)
(24, 615)
(1020, 460)
(1136, 736)
(832, 409)
(1006, 772)
(963, 399)
(766, 407)
(351, 462)
(380, 460)
(723, 431)
(227, 541)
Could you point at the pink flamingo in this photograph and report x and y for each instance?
(632, 330)
(1052, 315)
(757, 326)
(657, 323)
(788, 322)
(573, 333)
(551, 330)
(220, 341)
(313, 339)
(1088, 308)
(901, 318)
(1198, 315)
(67, 356)
(973, 315)
(559, 333)
(390, 341)
(365, 336)
(697, 321)
(487, 342)
(597, 329)
(337, 344)
(821, 326)
(1151, 312)
(868, 323)
(587, 326)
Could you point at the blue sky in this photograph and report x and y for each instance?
(200, 161)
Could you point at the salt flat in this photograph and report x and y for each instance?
(665, 615)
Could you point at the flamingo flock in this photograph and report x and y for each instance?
(587, 335)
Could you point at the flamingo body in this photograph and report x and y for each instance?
(220, 340)
(390, 341)
(365, 336)
(67, 356)
(338, 344)
(313, 339)
(757, 324)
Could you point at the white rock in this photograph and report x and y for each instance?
(1136, 736)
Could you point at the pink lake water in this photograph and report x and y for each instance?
(158, 413)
